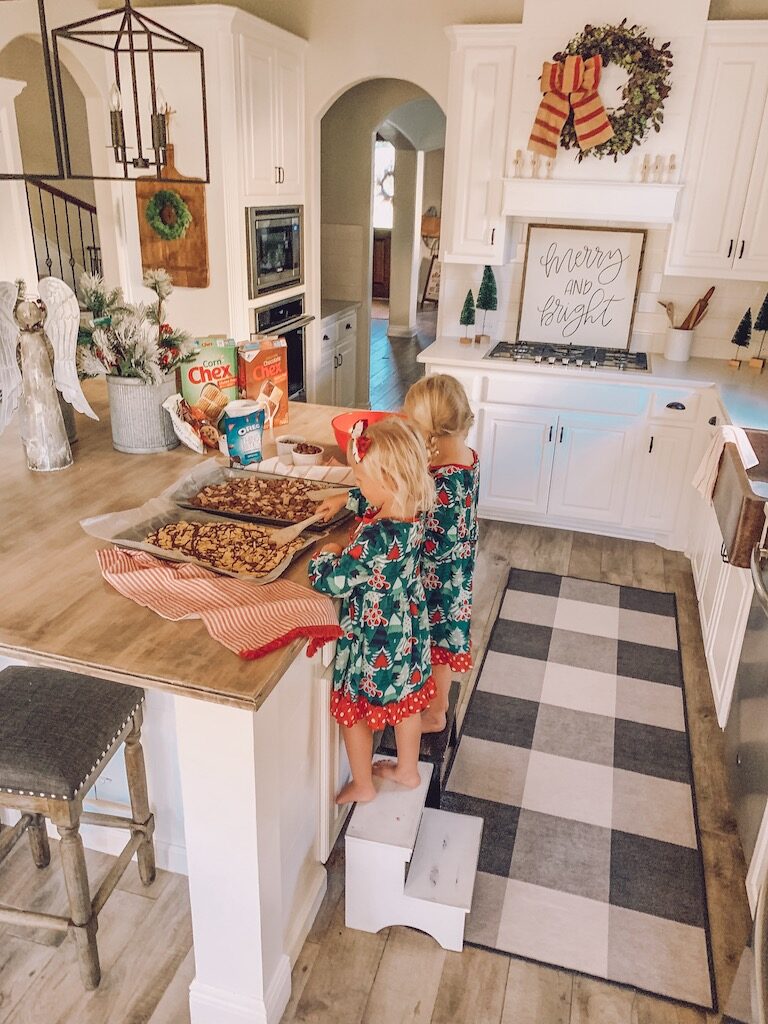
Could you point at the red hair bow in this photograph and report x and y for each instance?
(360, 443)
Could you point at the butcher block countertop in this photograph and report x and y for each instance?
(56, 609)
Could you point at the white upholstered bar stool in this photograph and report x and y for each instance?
(58, 730)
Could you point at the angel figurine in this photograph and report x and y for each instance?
(30, 375)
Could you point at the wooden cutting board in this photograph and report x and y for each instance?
(185, 259)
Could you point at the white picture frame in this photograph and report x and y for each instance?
(580, 285)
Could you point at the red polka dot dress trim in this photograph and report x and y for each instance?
(376, 716)
(461, 662)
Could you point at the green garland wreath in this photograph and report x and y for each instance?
(168, 215)
(648, 86)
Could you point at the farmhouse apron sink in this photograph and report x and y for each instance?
(739, 499)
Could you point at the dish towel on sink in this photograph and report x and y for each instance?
(251, 621)
(705, 477)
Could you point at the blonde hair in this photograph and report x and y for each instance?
(398, 456)
(437, 405)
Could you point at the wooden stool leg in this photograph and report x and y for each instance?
(137, 788)
(83, 919)
(38, 841)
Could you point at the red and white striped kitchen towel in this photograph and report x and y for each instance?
(249, 620)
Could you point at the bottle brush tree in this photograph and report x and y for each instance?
(743, 333)
(761, 323)
(467, 317)
(487, 297)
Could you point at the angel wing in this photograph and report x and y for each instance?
(61, 324)
(10, 378)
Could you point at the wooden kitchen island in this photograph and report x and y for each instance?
(243, 759)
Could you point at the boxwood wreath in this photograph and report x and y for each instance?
(648, 67)
(168, 215)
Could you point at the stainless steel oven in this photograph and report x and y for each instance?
(288, 319)
(275, 248)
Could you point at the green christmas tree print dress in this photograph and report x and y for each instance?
(448, 562)
(383, 670)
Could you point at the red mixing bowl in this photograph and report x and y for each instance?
(342, 424)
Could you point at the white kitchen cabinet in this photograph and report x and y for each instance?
(726, 634)
(659, 476)
(517, 451)
(336, 380)
(722, 228)
(566, 464)
(724, 594)
(345, 385)
(272, 107)
(591, 467)
(482, 64)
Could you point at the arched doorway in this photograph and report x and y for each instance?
(63, 216)
(370, 241)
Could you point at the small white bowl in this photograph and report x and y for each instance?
(306, 459)
(286, 444)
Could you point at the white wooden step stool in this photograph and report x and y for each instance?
(442, 848)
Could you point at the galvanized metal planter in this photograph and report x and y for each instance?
(140, 425)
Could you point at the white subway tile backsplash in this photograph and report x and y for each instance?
(713, 335)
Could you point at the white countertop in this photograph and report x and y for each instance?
(743, 392)
(335, 307)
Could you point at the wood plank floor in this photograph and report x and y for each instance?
(393, 360)
(348, 977)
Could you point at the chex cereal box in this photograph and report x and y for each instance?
(263, 375)
(209, 380)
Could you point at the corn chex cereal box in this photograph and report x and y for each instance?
(263, 375)
(209, 380)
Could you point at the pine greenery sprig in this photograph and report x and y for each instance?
(130, 339)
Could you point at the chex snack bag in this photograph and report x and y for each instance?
(263, 375)
(209, 380)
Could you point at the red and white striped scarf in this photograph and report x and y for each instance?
(570, 84)
(249, 620)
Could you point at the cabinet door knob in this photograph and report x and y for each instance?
(741, 250)
(712, 421)
(730, 248)
(348, 327)
(326, 338)
(676, 405)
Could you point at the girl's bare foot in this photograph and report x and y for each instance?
(354, 792)
(391, 770)
(433, 721)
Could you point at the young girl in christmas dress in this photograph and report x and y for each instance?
(382, 673)
(438, 407)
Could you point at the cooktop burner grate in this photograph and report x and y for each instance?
(575, 356)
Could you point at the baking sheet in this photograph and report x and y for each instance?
(183, 491)
(127, 529)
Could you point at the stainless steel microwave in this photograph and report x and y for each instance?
(275, 248)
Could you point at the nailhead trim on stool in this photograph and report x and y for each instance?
(36, 705)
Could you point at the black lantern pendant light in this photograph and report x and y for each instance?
(138, 45)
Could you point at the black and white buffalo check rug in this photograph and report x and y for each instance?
(574, 751)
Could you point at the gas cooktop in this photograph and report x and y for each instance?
(574, 356)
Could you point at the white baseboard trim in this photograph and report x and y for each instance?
(306, 914)
(506, 515)
(758, 866)
(396, 331)
(209, 1005)
(169, 856)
